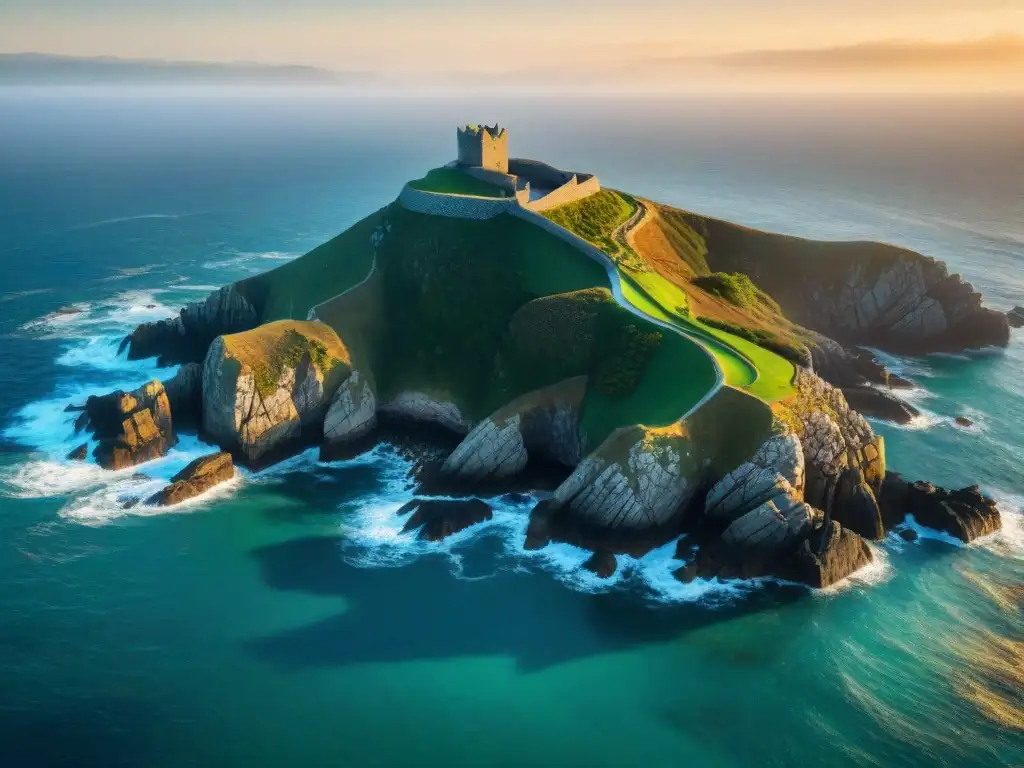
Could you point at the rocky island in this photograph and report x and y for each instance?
(680, 378)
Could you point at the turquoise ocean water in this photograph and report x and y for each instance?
(285, 621)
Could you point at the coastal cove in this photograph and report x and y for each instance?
(267, 611)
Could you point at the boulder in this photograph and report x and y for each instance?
(1016, 317)
(965, 514)
(131, 427)
(602, 564)
(687, 573)
(266, 392)
(185, 395)
(908, 534)
(855, 507)
(187, 337)
(81, 453)
(963, 421)
(198, 477)
(881, 405)
(538, 532)
(829, 555)
(437, 519)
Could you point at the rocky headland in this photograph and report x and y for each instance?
(434, 336)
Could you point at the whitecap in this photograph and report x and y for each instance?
(245, 259)
(1009, 540)
(120, 313)
(127, 498)
(878, 571)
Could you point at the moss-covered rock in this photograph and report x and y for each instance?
(267, 391)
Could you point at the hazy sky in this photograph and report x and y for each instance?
(403, 36)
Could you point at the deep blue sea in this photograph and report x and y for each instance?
(285, 621)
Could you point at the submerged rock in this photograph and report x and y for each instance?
(438, 519)
(198, 477)
(1016, 317)
(908, 534)
(602, 564)
(81, 453)
(131, 427)
(963, 421)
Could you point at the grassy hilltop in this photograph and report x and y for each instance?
(481, 312)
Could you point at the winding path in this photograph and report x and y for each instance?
(622, 234)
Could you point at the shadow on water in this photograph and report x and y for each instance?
(93, 731)
(423, 611)
(322, 491)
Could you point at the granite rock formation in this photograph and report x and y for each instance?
(198, 477)
(425, 408)
(254, 420)
(186, 338)
(544, 423)
(829, 555)
(185, 395)
(965, 514)
(637, 479)
(131, 427)
(353, 411)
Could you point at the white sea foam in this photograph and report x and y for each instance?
(126, 497)
(253, 261)
(120, 313)
(878, 571)
(374, 539)
(1009, 540)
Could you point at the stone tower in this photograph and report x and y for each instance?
(484, 146)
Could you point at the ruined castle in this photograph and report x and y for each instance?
(483, 146)
(522, 185)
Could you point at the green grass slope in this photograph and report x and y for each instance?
(744, 363)
(458, 295)
(451, 182)
(294, 288)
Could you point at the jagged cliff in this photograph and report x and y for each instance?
(510, 339)
(857, 292)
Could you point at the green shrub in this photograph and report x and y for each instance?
(737, 289)
(288, 354)
(624, 355)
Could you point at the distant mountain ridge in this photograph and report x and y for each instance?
(52, 69)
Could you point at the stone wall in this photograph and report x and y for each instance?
(455, 206)
(569, 192)
(538, 173)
